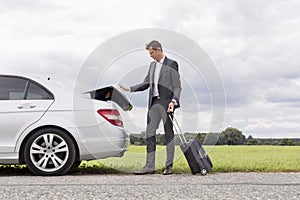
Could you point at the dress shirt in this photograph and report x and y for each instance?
(157, 69)
(158, 66)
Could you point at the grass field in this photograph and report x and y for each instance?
(224, 158)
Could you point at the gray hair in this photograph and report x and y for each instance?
(154, 45)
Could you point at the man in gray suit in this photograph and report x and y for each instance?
(163, 79)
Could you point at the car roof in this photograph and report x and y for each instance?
(38, 79)
(60, 91)
(47, 82)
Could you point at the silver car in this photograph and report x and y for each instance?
(52, 129)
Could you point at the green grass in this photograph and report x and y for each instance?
(256, 158)
(224, 158)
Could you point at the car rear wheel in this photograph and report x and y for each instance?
(76, 164)
(50, 151)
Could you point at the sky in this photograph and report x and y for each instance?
(254, 46)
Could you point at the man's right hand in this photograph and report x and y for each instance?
(124, 88)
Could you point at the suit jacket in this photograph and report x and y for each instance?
(169, 85)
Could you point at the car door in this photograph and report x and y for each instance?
(22, 103)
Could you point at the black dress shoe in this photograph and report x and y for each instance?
(145, 170)
(168, 171)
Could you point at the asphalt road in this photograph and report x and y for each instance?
(213, 186)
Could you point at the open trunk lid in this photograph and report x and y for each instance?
(111, 93)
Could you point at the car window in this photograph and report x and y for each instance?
(37, 92)
(12, 88)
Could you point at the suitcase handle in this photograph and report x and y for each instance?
(177, 128)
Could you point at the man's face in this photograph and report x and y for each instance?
(154, 53)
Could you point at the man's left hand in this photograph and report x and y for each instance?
(171, 107)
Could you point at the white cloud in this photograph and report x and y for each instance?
(283, 91)
(254, 45)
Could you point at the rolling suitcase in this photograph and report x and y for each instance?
(193, 151)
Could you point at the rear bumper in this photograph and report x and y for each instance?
(102, 142)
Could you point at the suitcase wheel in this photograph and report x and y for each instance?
(203, 172)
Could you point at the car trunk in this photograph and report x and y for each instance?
(112, 93)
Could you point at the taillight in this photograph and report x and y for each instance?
(111, 115)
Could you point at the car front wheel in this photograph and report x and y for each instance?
(49, 151)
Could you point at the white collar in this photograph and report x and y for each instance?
(162, 60)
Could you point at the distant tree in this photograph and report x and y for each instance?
(243, 139)
(253, 142)
(133, 139)
(297, 143)
(190, 136)
(137, 139)
(249, 137)
(211, 139)
(201, 137)
(222, 139)
(286, 142)
(160, 139)
(141, 138)
(267, 143)
(233, 136)
(177, 140)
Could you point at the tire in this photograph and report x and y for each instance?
(76, 164)
(49, 151)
